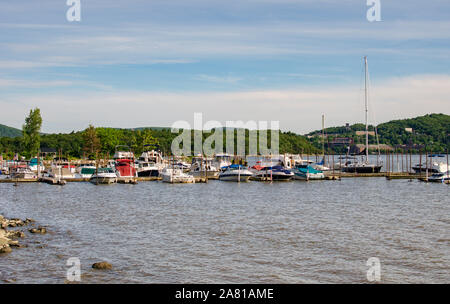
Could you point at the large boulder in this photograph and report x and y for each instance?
(102, 265)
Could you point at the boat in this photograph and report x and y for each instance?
(125, 168)
(124, 163)
(202, 167)
(33, 165)
(235, 173)
(176, 176)
(365, 166)
(61, 169)
(104, 176)
(441, 177)
(150, 164)
(271, 173)
(308, 173)
(321, 166)
(22, 172)
(222, 160)
(85, 171)
(60, 172)
(433, 167)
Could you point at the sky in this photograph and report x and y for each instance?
(139, 63)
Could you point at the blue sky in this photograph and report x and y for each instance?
(150, 63)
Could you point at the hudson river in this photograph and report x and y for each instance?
(291, 232)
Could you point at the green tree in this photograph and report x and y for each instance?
(31, 132)
(91, 142)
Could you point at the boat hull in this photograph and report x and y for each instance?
(362, 169)
(148, 173)
(235, 177)
(274, 177)
(178, 179)
(309, 176)
(103, 180)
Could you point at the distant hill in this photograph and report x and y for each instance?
(6, 131)
(432, 131)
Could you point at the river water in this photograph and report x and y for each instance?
(256, 232)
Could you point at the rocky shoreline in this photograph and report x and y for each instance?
(8, 238)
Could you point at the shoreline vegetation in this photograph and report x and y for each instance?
(428, 133)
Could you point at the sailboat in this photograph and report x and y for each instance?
(364, 166)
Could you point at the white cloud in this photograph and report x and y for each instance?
(298, 109)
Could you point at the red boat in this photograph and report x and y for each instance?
(125, 168)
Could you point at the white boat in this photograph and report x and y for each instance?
(235, 173)
(201, 167)
(176, 176)
(222, 160)
(433, 167)
(60, 173)
(150, 164)
(34, 165)
(22, 172)
(442, 177)
(104, 176)
(85, 171)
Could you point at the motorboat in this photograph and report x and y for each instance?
(271, 173)
(125, 168)
(235, 173)
(85, 171)
(176, 176)
(202, 167)
(441, 177)
(22, 172)
(431, 167)
(150, 164)
(33, 165)
(104, 176)
(222, 160)
(308, 173)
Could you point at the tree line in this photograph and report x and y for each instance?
(102, 142)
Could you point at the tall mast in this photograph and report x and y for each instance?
(323, 136)
(367, 110)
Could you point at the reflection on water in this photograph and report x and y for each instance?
(294, 232)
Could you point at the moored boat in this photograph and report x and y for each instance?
(272, 173)
(176, 176)
(22, 172)
(308, 173)
(150, 164)
(441, 177)
(202, 167)
(104, 176)
(235, 173)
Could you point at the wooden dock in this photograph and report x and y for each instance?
(52, 181)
